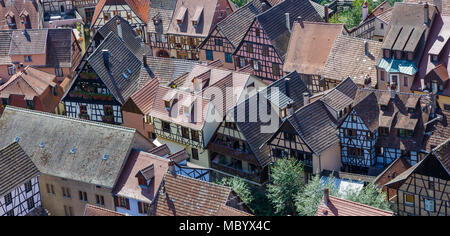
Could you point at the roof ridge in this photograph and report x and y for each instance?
(57, 116)
(207, 183)
(8, 146)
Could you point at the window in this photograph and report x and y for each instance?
(30, 104)
(405, 81)
(381, 26)
(11, 70)
(289, 137)
(409, 199)
(144, 208)
(394, 79)
(122, 202)
(228, 58)
(356, 152)
(429, 205)
(256, 65)
(68, 210)
(166, 126)
(100, 200)
(28, 59)
(66, 192)
(106, 16)
(5, 101)
(30, 203)
(218, 42)
(59, 72)
(431, 183)
(195, 135)
(8, 199)
(265, 50)
(257, 32)
(249, 48)
(238, 164)
(405, 133)
(10, 213)
(275, 69)
(28, 186)
(209, 55)
(185, 132)
(434, 58)
(194, 154)
(83, 196)
(384, 131)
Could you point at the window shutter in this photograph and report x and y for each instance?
(140, 207)
(128, 203)
(116, 201)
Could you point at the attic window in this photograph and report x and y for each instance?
(197, 16)
(181, 15)
(434, 58)
(125, 76)
(73, 151)
(169, 98)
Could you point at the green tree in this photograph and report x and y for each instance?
(239, 3)
(307, 200)
(370, 195)
(241, 188)
(287, 180)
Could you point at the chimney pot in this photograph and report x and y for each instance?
(326, 196)
(288, 21)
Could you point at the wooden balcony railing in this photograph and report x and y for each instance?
(236, 172)
(226, 150)
(84, 3)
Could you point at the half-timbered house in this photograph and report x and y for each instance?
(374, 26)
(111, 74)
(19, 14)
(191, 23)
(19, 184)
(381, 127)
(159, 19)
(134, 11)
(403, 46)
(239, 146)
(308, 50)
(80, 161)
(424, 189)
(224, 38)
(266, 41)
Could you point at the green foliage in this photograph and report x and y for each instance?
(255, 198)
(239, 3)
(287, 180)
(369, 195)
(307, 200)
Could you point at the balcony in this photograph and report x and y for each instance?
(227, 150)
(229, 169)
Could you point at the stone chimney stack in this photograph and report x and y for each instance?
(365, 10)
(367, 81)
(288, 21)
(300, 21)
(172, 167)
(119, 28)
(326, 197)
(305, 98)
(290, 109)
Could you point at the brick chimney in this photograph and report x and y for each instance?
(300, 21)
(365, 10)
(326, 197)
(172, 167)
(326, 9)
(305, 98)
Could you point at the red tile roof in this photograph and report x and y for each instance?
(144, 97)
(225, 210)
(128, 185)
(17, 7)
(183, 196)
(310, 45)
(340, 207)
(92, 210)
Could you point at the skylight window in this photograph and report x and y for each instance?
(73, 151)
(125, 76)
(42, 145)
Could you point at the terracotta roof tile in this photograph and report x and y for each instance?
(310, 46)
(92, 210)
(340, 207)
(225, 210)
(17, 7)
(139, 7)
(183, 196)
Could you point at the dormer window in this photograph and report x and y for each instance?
(145, 176)
(384, 131)
(197, 16)
(387, 53)
(10, 19)
(404, 133)
(181, 15)
(187, 106)
(434, 58)
(30, 104)
(169, 98)
(383, 107)
(410, 56)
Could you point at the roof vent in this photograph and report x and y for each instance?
(105, 157)
(42, 145)
(17, 139)
(73, 151)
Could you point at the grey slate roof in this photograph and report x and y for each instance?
(15, 168)
(252, 123)
(121, 60)
(273, 21)
(5, 43)
(236, 25)
(316, 126)
(28, 42)
(169, 69)
(162, 10)
(407, 26)
(59, 135)
(59, 43)
(130, 37)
